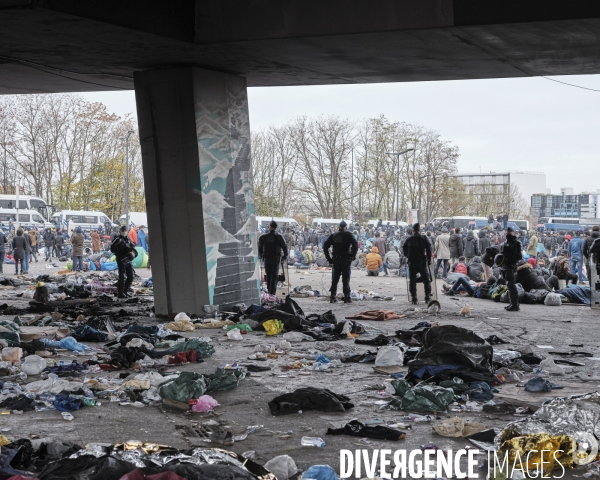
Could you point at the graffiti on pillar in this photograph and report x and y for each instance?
(230, 225)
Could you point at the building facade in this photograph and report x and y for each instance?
(583, 206)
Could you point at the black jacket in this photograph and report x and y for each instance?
(484, 242)
(513, 252)
(49, 238)
(417, 249)
(529, 279)
(2, 242)
(271, 245)
(456, 246)
(344, 246)
(476, 270)
(588, 243)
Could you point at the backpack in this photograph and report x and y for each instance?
(496, 293)
(461, 268)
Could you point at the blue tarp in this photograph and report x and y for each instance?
(577, 294)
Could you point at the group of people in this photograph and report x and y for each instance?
(495, 253)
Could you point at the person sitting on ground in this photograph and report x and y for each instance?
(461, 266)
(528, 279)
(392, 258)
(308, 255)
(475, 269)
(463, 284)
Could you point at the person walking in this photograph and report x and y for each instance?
(417, 250)
(442, 252)
(77, 240)
(124, 250)
(33, 236)
(344, 248)
(575, 251)
(19, 245)
(271, 245)
(59, 242)
(95, 236)
(513, 253)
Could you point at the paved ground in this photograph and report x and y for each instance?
(560, 327)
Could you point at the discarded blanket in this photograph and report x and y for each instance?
(377, 315)
(421, 398)
(378, 432)
(309, 398)
(193, 385)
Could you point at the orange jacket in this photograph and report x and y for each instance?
(373, 260)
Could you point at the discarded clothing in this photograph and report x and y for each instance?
(20, 402)
(74, 366)
(457, 427)
(309, 398)
(421, 398)
(85, 333)
(377, 341)
(431, 370)
(452, 345)
(494, 340)
(202, 349)
(183, 357)
(377, 315)
(68, 343)
(193, 385)
(539, 384)
(481, 392)
(64, 403)
(377, 432)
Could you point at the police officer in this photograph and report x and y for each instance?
(125, 252)
(417, 250)
(345, 247)
(512, 252)
(270, 246)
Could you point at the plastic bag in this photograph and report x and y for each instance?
(297, 337)
(320, 472)
(182, 316)
(240, 326)
(204, 404)
(553, 300)
(68, 343)
(235, 334)
(548, 365)
(12, 354)
(389, 356)
(505, 357)
(273, 327)
(33, 365)
(282, 466)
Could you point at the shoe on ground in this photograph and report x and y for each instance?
(347, 300)
(427, 298)
(332, 300)
(415, 301)
(121, 295)
(513, 308)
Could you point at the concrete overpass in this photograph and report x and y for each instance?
(190, 62)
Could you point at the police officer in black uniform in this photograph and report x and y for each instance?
(417, 250)
(345, 247)
(512, 252)
(270, 246)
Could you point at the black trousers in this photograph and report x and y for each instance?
(341, 268)
(2, 261)
(272, 272)
(125, 276)
(513, 293)
(414, 269)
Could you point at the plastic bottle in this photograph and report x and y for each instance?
(416, 418)
(87, 392)
(312, 442)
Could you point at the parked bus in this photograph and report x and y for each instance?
(28, 202)
(562, 220)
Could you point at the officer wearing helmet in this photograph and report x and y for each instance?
(512, 252)
(417, 250)
(125, 252)
(345, 247)
(270, 247)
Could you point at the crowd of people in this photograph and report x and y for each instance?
(465, 259)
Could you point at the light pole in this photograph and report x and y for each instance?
(428, 175)
(129, 133)
(352, 190)
(398, 178)
(272, 184)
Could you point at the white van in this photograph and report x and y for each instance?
(282, 222)
(85, 219)
(136, 219)
(27, 218)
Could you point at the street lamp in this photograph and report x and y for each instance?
(428, 175)
(129, 133)
(398, 178)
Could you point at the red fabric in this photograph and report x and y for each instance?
(461, 268)
(532, 261)
(183, 357)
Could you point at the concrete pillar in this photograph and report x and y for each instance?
(195, 141)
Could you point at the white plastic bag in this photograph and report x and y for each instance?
(181, 316)
(33, 365)
(553, 300)
(234, 334)
(551, 367)
(283, 467)
(297, 337)
(389, 356)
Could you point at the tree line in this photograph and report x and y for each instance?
(316, 160)
(70, 152)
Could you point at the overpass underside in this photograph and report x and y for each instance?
(190, 62)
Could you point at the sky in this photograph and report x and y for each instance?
(523, 124)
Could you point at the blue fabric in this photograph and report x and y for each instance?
(435, 369)
(577, 294)
(575, 247)
(481, 391)
(64, 403)
(68, 343)
(141, 240)
(108, 266)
